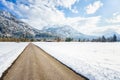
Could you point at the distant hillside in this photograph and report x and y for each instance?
(10, 26)
(66, 31)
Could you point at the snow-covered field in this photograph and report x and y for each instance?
(9, 51)
(96, 61)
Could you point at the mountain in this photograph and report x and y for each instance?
(108, 33)
(65, 31)
(10, 26)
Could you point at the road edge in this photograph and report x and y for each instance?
(6, 71)
(62, 63)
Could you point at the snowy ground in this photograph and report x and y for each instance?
(96, 61)
(9, 51)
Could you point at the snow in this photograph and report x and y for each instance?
(96, 61)
(9, 51)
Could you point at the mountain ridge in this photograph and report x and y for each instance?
(10, 26)
(65, 31)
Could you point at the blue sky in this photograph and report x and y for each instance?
(86, 16)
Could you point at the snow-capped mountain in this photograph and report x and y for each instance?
(65, 31)
(6, 14)
(13, 27)
(108, 33)
(10, 26)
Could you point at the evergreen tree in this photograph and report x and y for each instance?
(114, 38)
(68, 39)
(103, 39)
(79, 40)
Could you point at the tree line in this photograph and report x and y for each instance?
(100, 39)
(57, 39)
(106, 39)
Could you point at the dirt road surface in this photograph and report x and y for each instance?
(35, 64)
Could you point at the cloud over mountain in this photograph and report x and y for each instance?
(83, 15)
(92, 8)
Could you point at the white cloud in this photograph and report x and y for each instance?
(66, 3)
(92, 8)
(115, 18)
(74, 10)
(113, 23)
(42, 13)
(86, 25)
(8, 4)
(114, 28)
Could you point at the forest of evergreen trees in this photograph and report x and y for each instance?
(57, 39)
(100, 39)
(104, 39)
